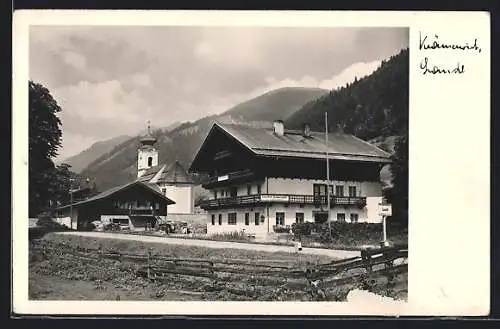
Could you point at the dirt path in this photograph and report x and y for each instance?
(217, 244)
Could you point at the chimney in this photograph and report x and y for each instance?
(279, 127)
(306, 130)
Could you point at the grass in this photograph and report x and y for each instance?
(58, 275)
(51, 287)
(306, 243)
(182, 251)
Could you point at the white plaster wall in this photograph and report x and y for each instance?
(66, 221)
(372, 205)
(305, 186)
(74, 219)
(142, 160)
(291, 210)
(242, 189)
(183, 197)
(240, 221)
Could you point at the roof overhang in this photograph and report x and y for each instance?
(107, 194)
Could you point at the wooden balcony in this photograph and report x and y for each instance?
(135, 211)
(263, 199)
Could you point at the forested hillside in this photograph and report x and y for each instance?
(374, 106)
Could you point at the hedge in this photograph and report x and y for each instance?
(344, 233)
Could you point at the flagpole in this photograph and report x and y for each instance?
(327, 176)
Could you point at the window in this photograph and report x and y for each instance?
(231, 218)
(299, 217)
(213, 219)
(164, 190)
(258, 189)
(339, 190)
(280, 219)
(354, 218)
(319, 189)
(150, 161)
(157, 206)
(352, 191)
(249, 189)
(341, 217)
(247, 219)
(215, 194)
(220, 219)
(257, 218)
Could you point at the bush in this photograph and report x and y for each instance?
(281, 229)
(230, 236)
(303, 229)
(348, 234)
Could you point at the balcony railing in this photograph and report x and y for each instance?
(254, 199)
(144, 211)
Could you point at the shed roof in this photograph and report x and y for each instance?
(114, 190)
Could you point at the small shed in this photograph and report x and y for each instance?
(136, 204)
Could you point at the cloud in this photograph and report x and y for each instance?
(356, 70)
(348, 75)
(74, 59)
(97, 111)
(111, 80)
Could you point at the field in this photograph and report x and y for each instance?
(80, 268)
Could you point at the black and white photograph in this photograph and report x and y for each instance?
(240, 161)
(216, 163)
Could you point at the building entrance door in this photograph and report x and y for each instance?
(320, 217)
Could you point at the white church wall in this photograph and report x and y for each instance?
(142, 160)
(183, 198)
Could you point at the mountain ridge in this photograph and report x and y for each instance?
(181, 143)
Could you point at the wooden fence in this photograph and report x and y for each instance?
(386, 262)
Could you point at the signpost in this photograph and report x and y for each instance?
(384, 211)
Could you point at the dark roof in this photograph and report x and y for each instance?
(175, 174)
(150, 173)
(293, 144)
(113, 190)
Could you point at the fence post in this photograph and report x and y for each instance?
(149, 263)
(367, 260)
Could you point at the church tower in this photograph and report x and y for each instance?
(147, 155)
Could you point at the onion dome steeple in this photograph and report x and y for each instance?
(148, 139)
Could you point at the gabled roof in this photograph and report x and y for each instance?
(150, 173)
(114, 190)
(175, 174)
(264, 142)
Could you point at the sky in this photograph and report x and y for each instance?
(110, 80)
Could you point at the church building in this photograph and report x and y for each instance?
(173, 180)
